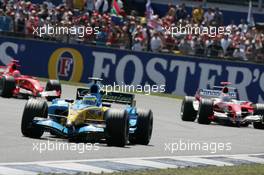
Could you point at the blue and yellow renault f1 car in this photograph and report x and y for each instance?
(89, 117)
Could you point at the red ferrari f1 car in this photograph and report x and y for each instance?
(13, 84)
(222, 105)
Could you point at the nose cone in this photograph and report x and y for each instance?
(236, 108)
(69, 124)
(71, 118)
(37, 86)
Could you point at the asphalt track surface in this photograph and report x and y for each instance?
(168, 128)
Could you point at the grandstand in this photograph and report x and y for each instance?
(136, 26)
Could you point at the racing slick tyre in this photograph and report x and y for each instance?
(188, 113)
(205, 111)
(7, 86)
(117, 127)
(53, 85)
(33, 108)
(259, 110)
(144, 127)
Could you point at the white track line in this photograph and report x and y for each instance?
(77, 167)
(203, 161)
(12, 171)
(146, 163)
(248, 158)
(131, 159)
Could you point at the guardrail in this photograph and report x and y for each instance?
(181, 75)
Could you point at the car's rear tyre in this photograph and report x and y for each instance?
(188, 113)
(117, 127)
(205, 111)
(259, 110)
(144, 128)
(33, 108)
(53, 85)
(7, 86)
(244, 124)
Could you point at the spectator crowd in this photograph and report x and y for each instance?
(131, 31)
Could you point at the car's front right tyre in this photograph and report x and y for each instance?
(33, 108)
(53, 85)
(117, 127)
(259, 110)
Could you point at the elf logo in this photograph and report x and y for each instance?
(66, 64)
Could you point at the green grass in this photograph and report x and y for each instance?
(83, 84)
(255, 169)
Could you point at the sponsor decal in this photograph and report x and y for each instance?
(6, 49)
(70, 67)
(215, 93)
(180, 75)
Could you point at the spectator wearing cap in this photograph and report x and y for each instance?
(218, 17)
(215, 48)
(90, 6)
(44, 13)
(20, 22)
(181, 12)
(225, 44)
(209, 16)
(156, 42)
(170, 43)
(258, 45)
(240, 51)
(185, 47)
(138, 44)
(243, 26)
(49, 4)
(199, 47)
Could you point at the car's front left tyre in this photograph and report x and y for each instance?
(188, 113)
(33, 108)
(205, 111)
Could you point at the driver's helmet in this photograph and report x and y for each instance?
(14, 66)
(16, 73)
(90, 100)
(225, 90)
(225, 96)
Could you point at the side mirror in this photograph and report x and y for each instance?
(69, 100)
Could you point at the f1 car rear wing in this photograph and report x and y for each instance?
(121, 98)
(215, 93)
(221, 87)
(109, 97)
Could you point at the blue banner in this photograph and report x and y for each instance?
(181, 75)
